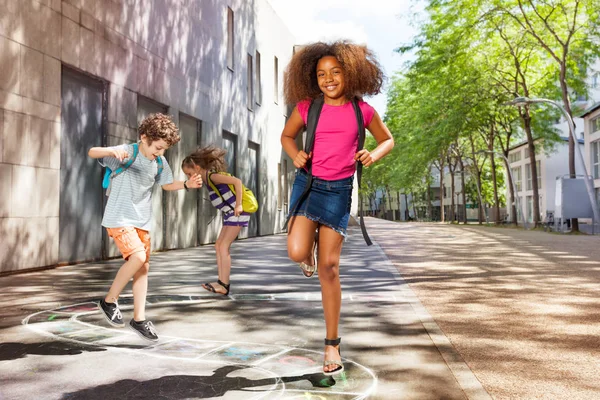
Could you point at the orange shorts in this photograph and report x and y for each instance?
(131, 240)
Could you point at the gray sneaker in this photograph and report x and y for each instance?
(112, 313)
(145, 329)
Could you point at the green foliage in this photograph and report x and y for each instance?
(472, 56)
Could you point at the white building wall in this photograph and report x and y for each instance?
(174, 53)
(552, 165)
(590, 137)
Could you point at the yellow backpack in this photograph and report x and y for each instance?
(249, 202)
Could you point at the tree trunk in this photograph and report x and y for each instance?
(406, 212)
(513, 212)
(389, 194)
(442, 213)
(495, 182)
(452, 191)
(429, 205)
(464, 192)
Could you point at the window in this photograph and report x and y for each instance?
(595, 124)
(529, 209)
(514, 157)
(596, 159)
(230, 40)
(258, 80)
(526, 152)
(230, 146)
(595, 79)
(276, 80)
(250, 83)
(516, 173)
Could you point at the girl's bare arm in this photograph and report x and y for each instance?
(384, 139)
(293, 126)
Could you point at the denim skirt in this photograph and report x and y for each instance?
(327, 202)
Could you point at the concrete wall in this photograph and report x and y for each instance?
(173, 52)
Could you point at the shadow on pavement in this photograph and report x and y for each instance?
(190, 386)
(14, 351)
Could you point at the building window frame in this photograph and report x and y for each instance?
(516, 173)
(257, 73)
(595, 124)
(250, 82)
(276, 79)
(514, 157)
(595, 158)
(230, 38)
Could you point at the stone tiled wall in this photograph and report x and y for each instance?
(173, 52)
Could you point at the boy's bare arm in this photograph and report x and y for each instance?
(195, 182)
(101, 152)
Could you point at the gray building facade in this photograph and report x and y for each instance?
(81, 73)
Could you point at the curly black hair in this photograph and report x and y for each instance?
(363, 74)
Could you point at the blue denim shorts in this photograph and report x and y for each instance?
(327, 202)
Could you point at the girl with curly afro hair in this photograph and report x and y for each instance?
(336, 75)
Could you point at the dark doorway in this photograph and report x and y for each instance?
(81, 194)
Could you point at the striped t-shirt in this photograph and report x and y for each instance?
(130, 199)
(227, 206)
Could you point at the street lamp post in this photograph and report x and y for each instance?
(521, 101)
(512, 179)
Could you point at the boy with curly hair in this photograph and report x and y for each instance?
(128, 213)
(333, 77)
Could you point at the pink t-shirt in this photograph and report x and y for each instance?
(336, 139)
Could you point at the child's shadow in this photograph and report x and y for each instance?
(191, 386)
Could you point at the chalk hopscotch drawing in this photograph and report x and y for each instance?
(268, 370)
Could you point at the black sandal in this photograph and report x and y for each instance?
(326, 363)
(208, 286)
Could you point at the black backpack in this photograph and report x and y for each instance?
(314, 111)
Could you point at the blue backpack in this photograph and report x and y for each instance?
(110, 174)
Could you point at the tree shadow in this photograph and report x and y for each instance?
(175, 387)
(14, 350)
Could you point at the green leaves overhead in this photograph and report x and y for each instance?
(471, 57)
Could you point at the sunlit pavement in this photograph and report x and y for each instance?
(521, 307)
(264, 341)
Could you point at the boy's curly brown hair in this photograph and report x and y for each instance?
(362, 73)
(209, 158)
(160, 126)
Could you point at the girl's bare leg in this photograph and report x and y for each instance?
(222, 248)
(301, 238)
(330, 249)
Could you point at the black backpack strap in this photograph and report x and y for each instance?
(361, 143)
(314, 111)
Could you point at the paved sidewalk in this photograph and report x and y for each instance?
(521, 307)
(264, 341)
